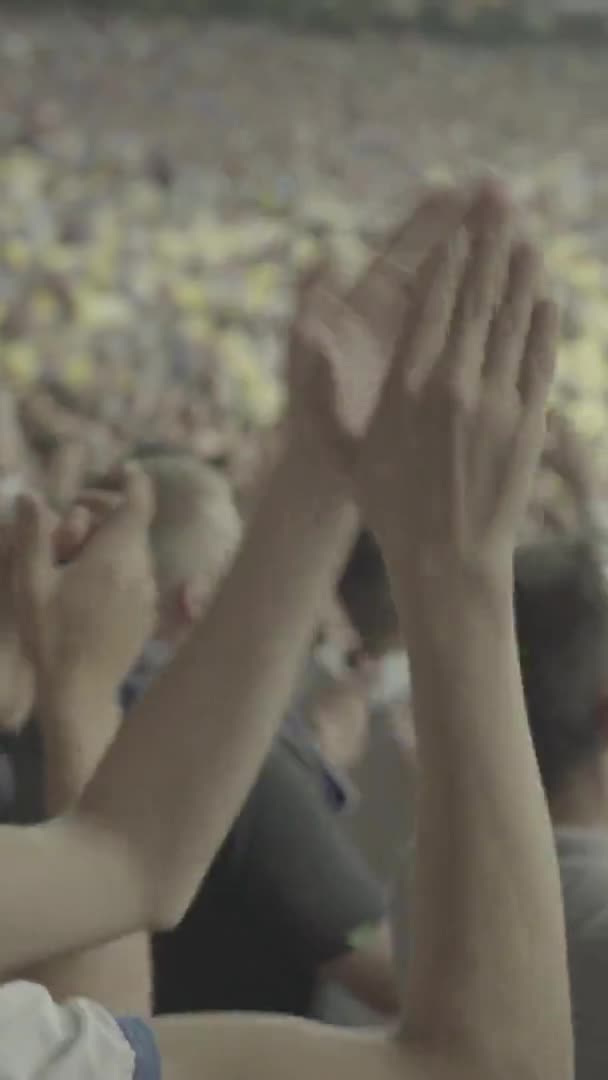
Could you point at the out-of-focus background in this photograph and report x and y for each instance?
(165, 175)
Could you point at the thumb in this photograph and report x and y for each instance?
(135, 510)
(33, 555)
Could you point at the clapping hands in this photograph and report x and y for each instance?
(430, 382)
(91, 616)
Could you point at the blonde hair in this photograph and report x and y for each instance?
(196, 527)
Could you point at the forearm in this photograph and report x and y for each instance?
(192, 749)
(77, 730)
(78, 723)
(487, 921)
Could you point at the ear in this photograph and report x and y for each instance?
(190, 602)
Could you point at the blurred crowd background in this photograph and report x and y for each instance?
(166, 177)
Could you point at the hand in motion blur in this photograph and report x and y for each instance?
(94, 614)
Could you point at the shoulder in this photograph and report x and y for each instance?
(70, 1041)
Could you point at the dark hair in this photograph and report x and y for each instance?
(561, 614)
(365, 592)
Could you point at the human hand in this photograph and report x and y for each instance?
(459, 431)
(340, 346)
(567, 455)
(91, 617)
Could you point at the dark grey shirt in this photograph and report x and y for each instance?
(285, 895)
(583, 862)
(21, 777)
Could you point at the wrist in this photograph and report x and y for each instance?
(75, 693)
(443, 597)
(313, 467)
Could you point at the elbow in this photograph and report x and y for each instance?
(167, 905)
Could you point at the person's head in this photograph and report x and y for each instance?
(194, 536)
(365, 594)
(561, 611)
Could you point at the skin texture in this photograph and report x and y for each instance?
(486, 995)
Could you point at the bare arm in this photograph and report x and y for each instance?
(77, 730)
(488, 944)
(461, 523)
(486, 986)
(488, 941)
(233, 681)
(173, 779)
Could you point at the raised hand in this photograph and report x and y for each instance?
(93, 615)
(341, 346)
(460, 428)
(570, 458)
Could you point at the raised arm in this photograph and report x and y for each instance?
(82, 635)
(234, 678)
(487, 991)
(444, 476)
(464, 417)
(180, 767)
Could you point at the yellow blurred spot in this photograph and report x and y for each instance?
(589, 416)
(144, 197)
(261, 285)
(305, 252)
(20, 362)
(173, 245)
(60, 257)
(583, 361)
(102, 310)
(261, 395)
(586, 274)
(78, 372)
(44, 306)
(197, 329)
(188, 294)
(16, 254)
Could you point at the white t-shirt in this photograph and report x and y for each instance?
(583, 860)
(40, 1040)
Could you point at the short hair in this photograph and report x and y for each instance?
(196, 526)
(365, 592)
(561, 614)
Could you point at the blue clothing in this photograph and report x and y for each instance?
(141, 1039)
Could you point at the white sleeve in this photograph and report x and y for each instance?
(40, 1040)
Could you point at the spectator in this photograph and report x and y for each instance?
(194, 536)
(561, 608)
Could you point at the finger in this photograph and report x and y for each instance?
(134, 513)
(71, 533)
(427, 326)
(491, 225)
(99, 503)
(509, 330)
(381, 292)
(539, 358)
(33, 557)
